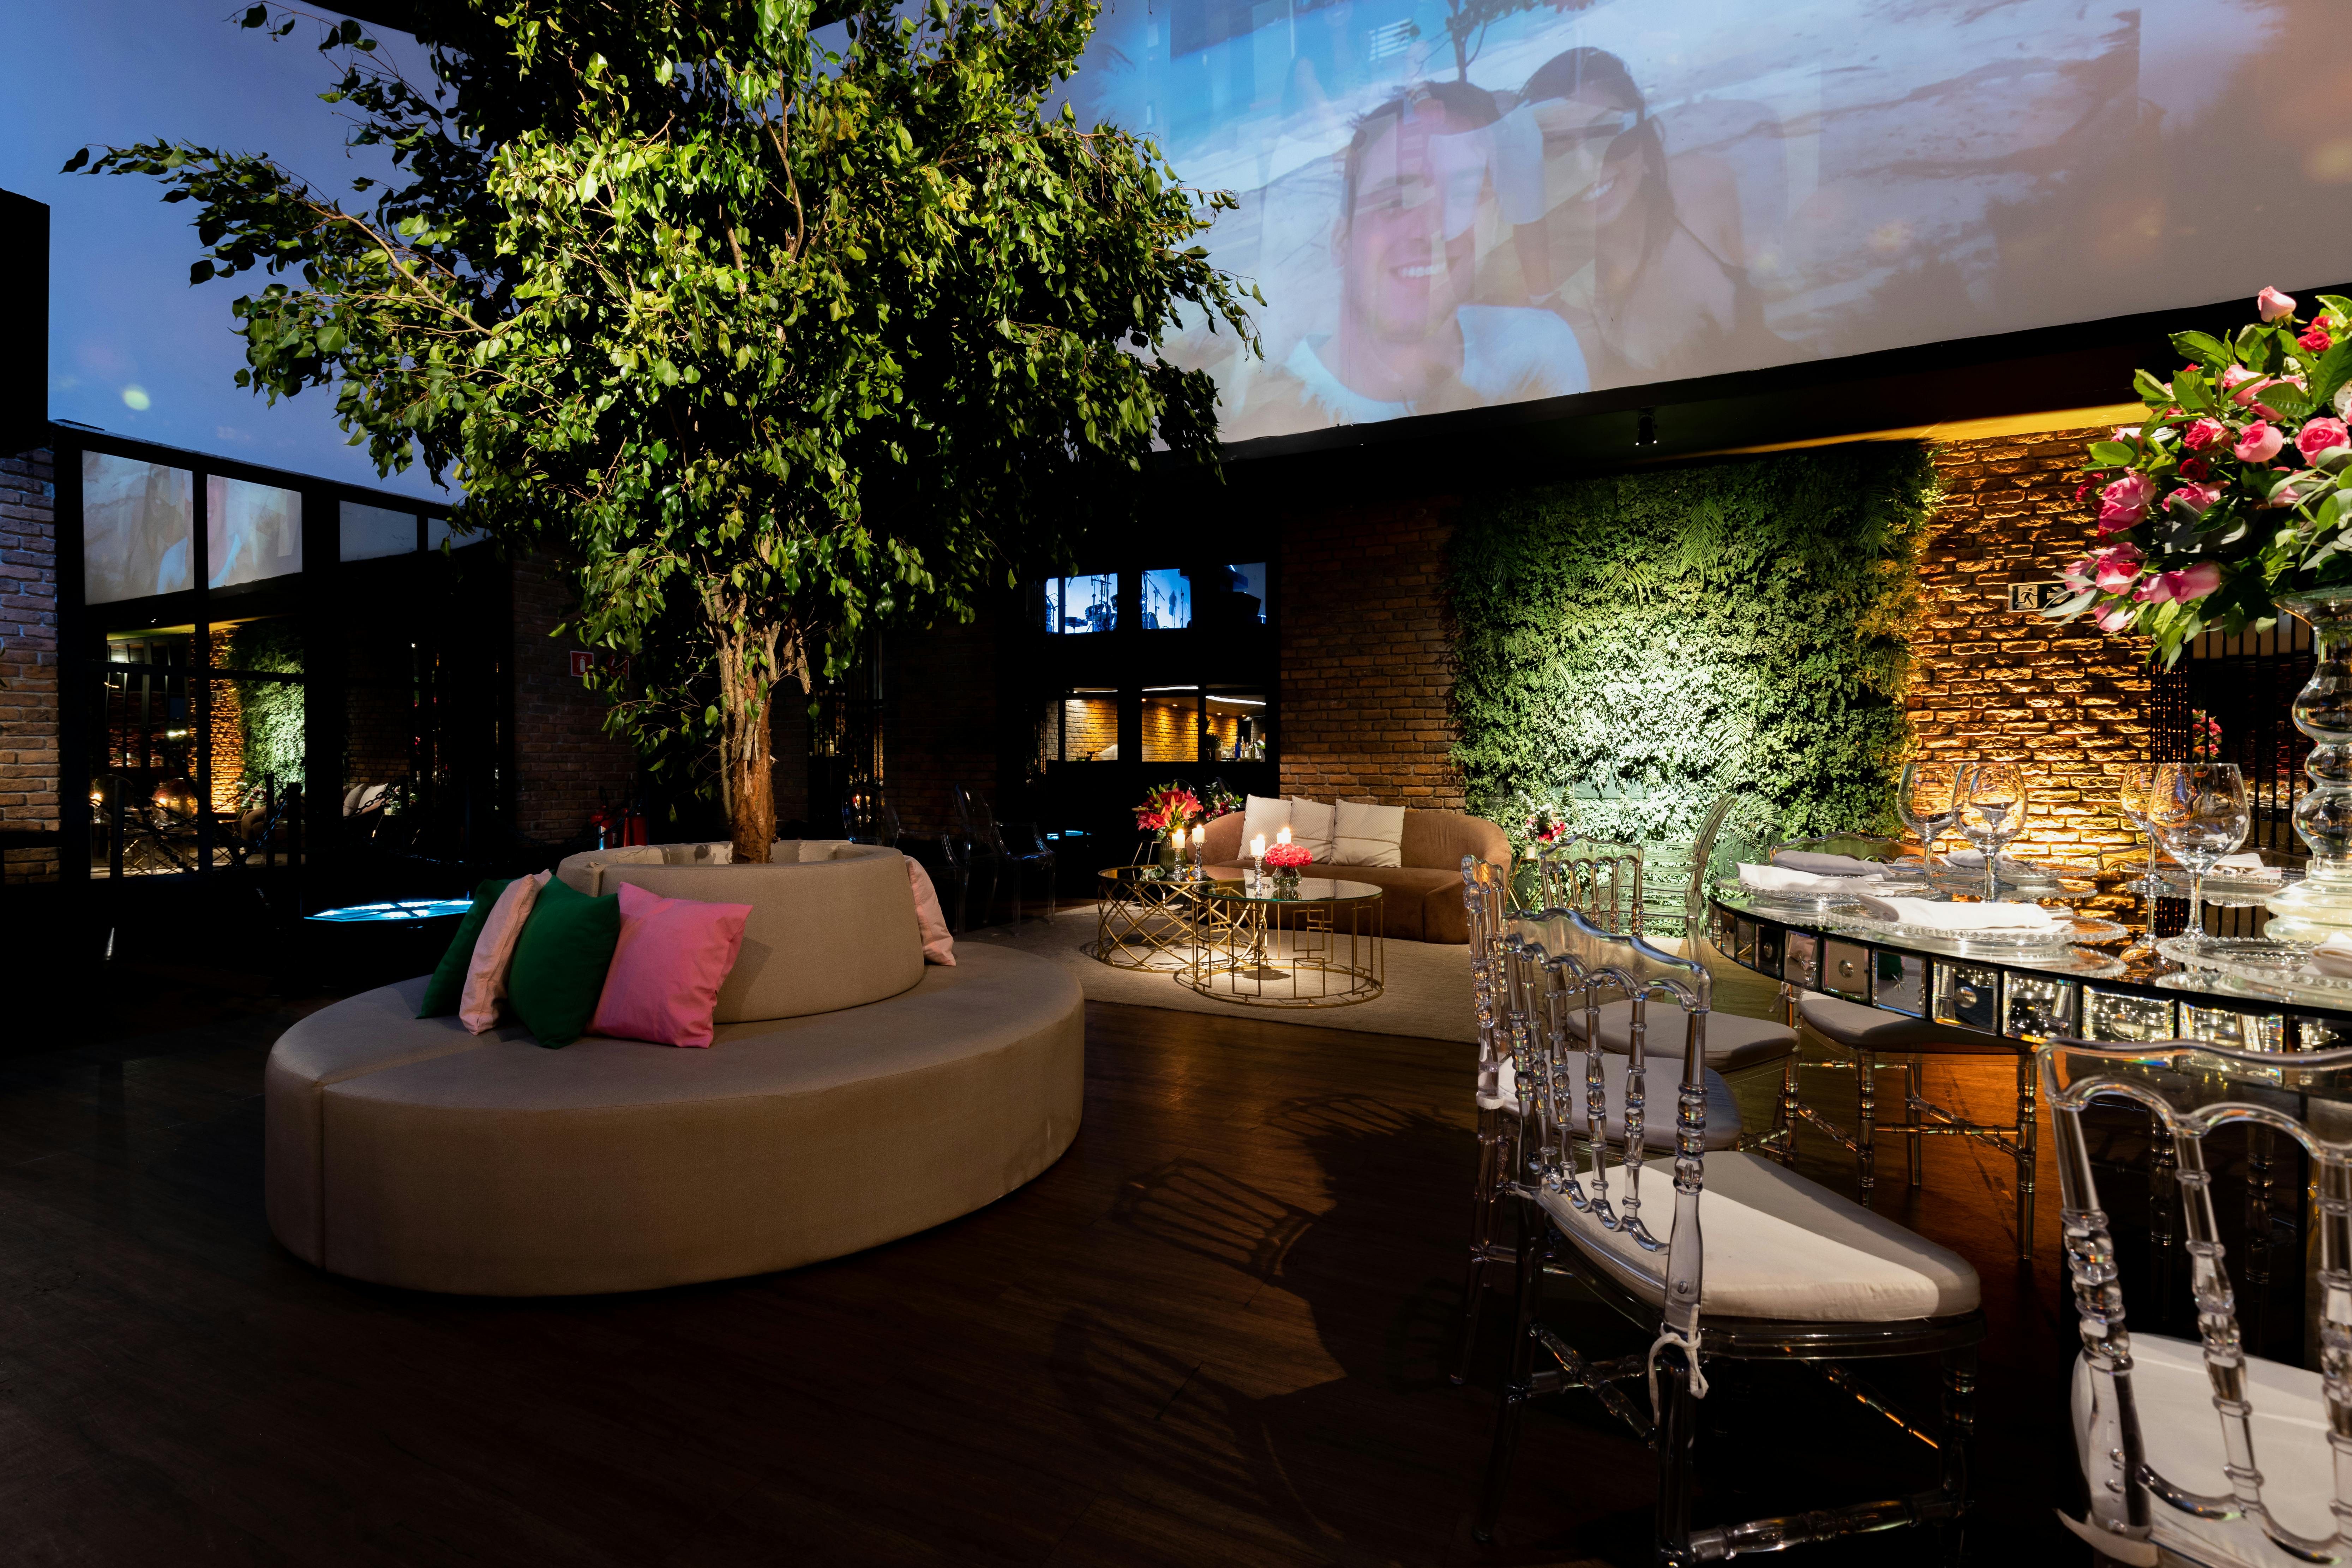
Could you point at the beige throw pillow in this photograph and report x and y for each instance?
(1368, 834)
(1263, 816)
(485, 976)
(1311, 823)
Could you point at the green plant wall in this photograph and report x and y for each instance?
(271, 711)
(1633, 646)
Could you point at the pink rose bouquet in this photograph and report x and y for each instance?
(1287, 857)
(2237, 488)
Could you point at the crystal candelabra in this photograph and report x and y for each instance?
(2321, 904)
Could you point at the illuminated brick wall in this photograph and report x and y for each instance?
(28, 661)
(2070, 703)
(565, 765)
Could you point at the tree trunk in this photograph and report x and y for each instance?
(747, 672)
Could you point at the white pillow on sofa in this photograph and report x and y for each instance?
(1368, 834)
(1262, 816)
(1311, 824)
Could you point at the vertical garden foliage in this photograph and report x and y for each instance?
(1634, 645)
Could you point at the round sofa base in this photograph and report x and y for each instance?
(406, 1151)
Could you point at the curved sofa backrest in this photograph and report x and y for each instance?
(822, 935)
(1438, 839)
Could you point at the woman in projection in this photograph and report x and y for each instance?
(1653, 278)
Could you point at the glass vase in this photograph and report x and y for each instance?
(1168, 855)
(1286, 884)
(2321, 904)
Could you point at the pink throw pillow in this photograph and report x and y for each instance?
(485, 976)
(673, 956)
(939, 945)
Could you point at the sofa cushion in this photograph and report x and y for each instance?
(1312, 823)
(560, 962)
(673, 956)
(1262, 815)
(447, 985)
(1368, 834)
(486, 971)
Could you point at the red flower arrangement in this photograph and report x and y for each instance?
(1287, 857)
(1167, 808)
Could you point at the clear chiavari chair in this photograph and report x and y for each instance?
(2202, 1452)
(1723, 1256)
(1601, 881)
(1486, 895)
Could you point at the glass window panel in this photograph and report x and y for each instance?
(1082, 727)
(1171, 726)
(1084, 604)
(1229, 596)
(143, 791)
(1236, 726)
(138, 529)
(370, 532)
(1167, 600)
(251, 532)
(437, 529)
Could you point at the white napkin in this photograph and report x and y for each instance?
(1962, 917)
(1773, 879)
(2248, 867)
(1826, 865)
(2333, 956)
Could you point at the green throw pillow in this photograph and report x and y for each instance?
(447, 986)
(560, 962)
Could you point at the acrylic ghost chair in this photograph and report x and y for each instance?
(1783, 1270)
(2199, 1450)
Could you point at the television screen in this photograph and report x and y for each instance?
(1453, 204)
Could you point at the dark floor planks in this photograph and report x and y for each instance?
(1217, 1330)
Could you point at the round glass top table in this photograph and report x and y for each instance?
(2076, 982)
(1320, 946)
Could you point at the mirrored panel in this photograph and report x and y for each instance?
(138, 529)
(1899, 982)
(1084, 604)
(2120, 1017)
(371, 531)
(251, 532)
(1967, 995)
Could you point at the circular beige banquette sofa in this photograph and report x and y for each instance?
(852, 1096)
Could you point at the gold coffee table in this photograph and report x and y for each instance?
(1146, 920)
(1321, 947)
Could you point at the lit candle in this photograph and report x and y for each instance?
(1257, 848)
(1283, 837)
(1199, 836)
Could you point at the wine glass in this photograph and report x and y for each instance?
(2201, 813)
(1925, 798)
(2132, 790)
(1991, 801)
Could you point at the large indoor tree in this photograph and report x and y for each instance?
(773, 325)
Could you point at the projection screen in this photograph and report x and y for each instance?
(1460, 204)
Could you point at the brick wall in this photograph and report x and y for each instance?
(28, 659)
(565, 765)
(939, 706)
(2069, 702)
(1368, 655)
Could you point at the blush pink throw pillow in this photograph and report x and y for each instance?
(673, 956)
(939, 945)
(485, 976)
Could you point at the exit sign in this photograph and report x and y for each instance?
(2034, 596)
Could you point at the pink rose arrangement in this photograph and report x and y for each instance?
(1287, 857)
(2235, 488)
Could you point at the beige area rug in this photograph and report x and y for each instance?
(1427, 992)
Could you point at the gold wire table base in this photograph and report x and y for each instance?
(1324, 954)
(1142, 922)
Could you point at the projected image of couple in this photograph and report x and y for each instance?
(1494, 251)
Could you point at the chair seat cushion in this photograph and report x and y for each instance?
(1732, 1042)
(1778, 1247)
(2180, 1439)
(1659, 1090)
(1853, 1025)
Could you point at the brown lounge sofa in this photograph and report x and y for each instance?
(853, 1096)
(1422, 899)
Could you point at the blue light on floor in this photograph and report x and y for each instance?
(404, 910)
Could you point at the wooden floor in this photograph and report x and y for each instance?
(1217, 1331)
